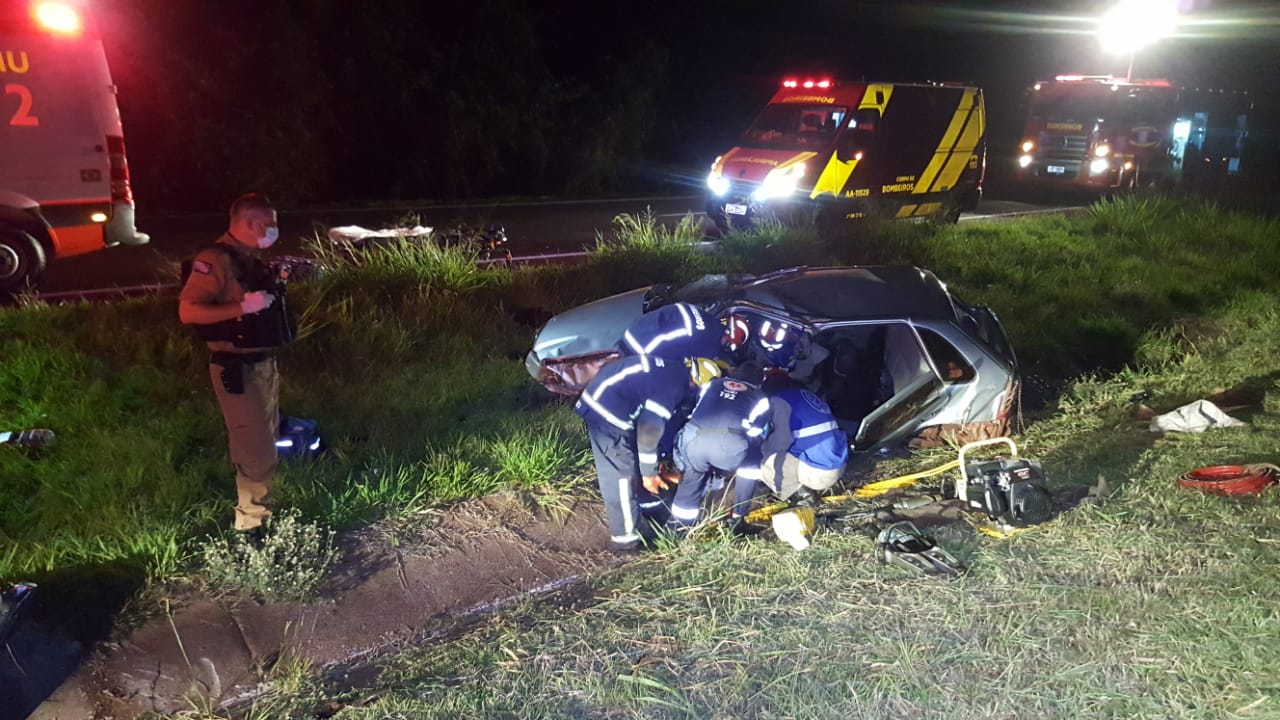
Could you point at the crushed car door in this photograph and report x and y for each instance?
(917, 391)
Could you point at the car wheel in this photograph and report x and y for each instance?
(21, 259)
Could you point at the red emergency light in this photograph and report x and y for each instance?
(58, 17)
(808, 84)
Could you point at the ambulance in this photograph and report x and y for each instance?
(64, 179)
(834, 150)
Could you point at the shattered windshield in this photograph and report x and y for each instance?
(794, 126)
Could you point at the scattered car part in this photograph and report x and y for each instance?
(35, 439)
(795, 526)
(1230, 479)
(1009, 490)
(906, 546)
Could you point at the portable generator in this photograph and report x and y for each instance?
(1010, 490)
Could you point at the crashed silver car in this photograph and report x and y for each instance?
(895, 354)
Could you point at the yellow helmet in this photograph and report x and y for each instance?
(703, 370)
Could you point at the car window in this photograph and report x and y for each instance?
(867, 365)
(951, 363)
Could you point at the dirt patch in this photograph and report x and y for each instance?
(396, 583)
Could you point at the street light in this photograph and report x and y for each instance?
(1134, 24)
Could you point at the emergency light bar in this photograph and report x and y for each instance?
(808, 84)
(57, 17)
(1111, 80)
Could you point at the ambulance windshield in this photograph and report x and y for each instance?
(789, 126)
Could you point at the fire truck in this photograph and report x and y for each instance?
(827, 149)
(64, 180)
(1100, 132)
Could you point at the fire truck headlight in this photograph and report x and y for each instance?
(718, 183)
(1102, 150)
(1099, 166)
(1024, 161)
(780, 182)
(1027, 146)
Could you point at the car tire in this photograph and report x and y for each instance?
(22, 260)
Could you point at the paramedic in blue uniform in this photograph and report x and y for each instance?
(807, 451)
(724, 433)
(627, 408)
(677, 331)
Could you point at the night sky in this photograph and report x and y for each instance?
(325, 101)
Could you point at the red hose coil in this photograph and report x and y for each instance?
(1230, 479)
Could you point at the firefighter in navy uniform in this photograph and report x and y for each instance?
(677, 332)
(236, 305)
(724, 434)
(627, 408)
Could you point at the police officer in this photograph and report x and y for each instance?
(626, 407)
(724, 433)
(236, 306)
(807, 451)
(676, 331)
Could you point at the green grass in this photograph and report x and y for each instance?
(1157, 603)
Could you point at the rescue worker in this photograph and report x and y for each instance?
(627, 407)
(236, 306)
(677, 331)
(807, 451)
(724, 434)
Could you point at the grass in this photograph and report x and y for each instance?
(1153, 604)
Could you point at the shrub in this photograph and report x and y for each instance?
(288, 563)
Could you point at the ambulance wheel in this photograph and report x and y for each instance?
(21, 259)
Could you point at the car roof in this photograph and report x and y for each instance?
(848, 293)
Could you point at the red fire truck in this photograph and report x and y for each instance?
(854, 150)
(1099, 132)
(64, 180)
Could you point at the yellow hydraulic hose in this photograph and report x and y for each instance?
(870, 490)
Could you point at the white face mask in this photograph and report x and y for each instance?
(266, 241)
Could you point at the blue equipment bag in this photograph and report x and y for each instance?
(298, 438)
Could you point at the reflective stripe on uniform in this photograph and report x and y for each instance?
(602, 412)
(649, 458)
(624, 496)
(657, 409)
(628, 538)
(815, 429)
(681, 512)
(750, 473)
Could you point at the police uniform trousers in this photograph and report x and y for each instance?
(698, 452)
(253, 422)
(630, 510)
(785, 473)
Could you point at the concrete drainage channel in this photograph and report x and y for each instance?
(475, 559)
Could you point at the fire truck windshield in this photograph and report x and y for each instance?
(1095, 103)
(790, 126)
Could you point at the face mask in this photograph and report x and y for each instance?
(266, 241)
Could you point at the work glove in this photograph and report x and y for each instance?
(654, 483)
(256, 301)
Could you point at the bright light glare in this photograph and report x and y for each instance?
(1024, 161)
(1027, 145)
(98, 217)
(1099, 166)
(779, 182)
(1135, 24)
(718, 183)
(1182, 130)
(58, 17)
(1102, 150)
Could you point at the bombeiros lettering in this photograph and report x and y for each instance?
(15, 61)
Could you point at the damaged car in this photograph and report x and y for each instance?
(897, 356)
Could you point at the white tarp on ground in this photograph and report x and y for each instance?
(1196, 417)
(355, 233)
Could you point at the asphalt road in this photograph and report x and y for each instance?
(533, 227)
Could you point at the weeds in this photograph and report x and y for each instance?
(288, 563)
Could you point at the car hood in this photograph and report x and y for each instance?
(589, 328)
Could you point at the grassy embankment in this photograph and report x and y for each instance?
(1155, 603)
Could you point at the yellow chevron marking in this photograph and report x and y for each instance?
(905, 211)
(928, 209)
(836, 174)
(963, 109)
(963, 151)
